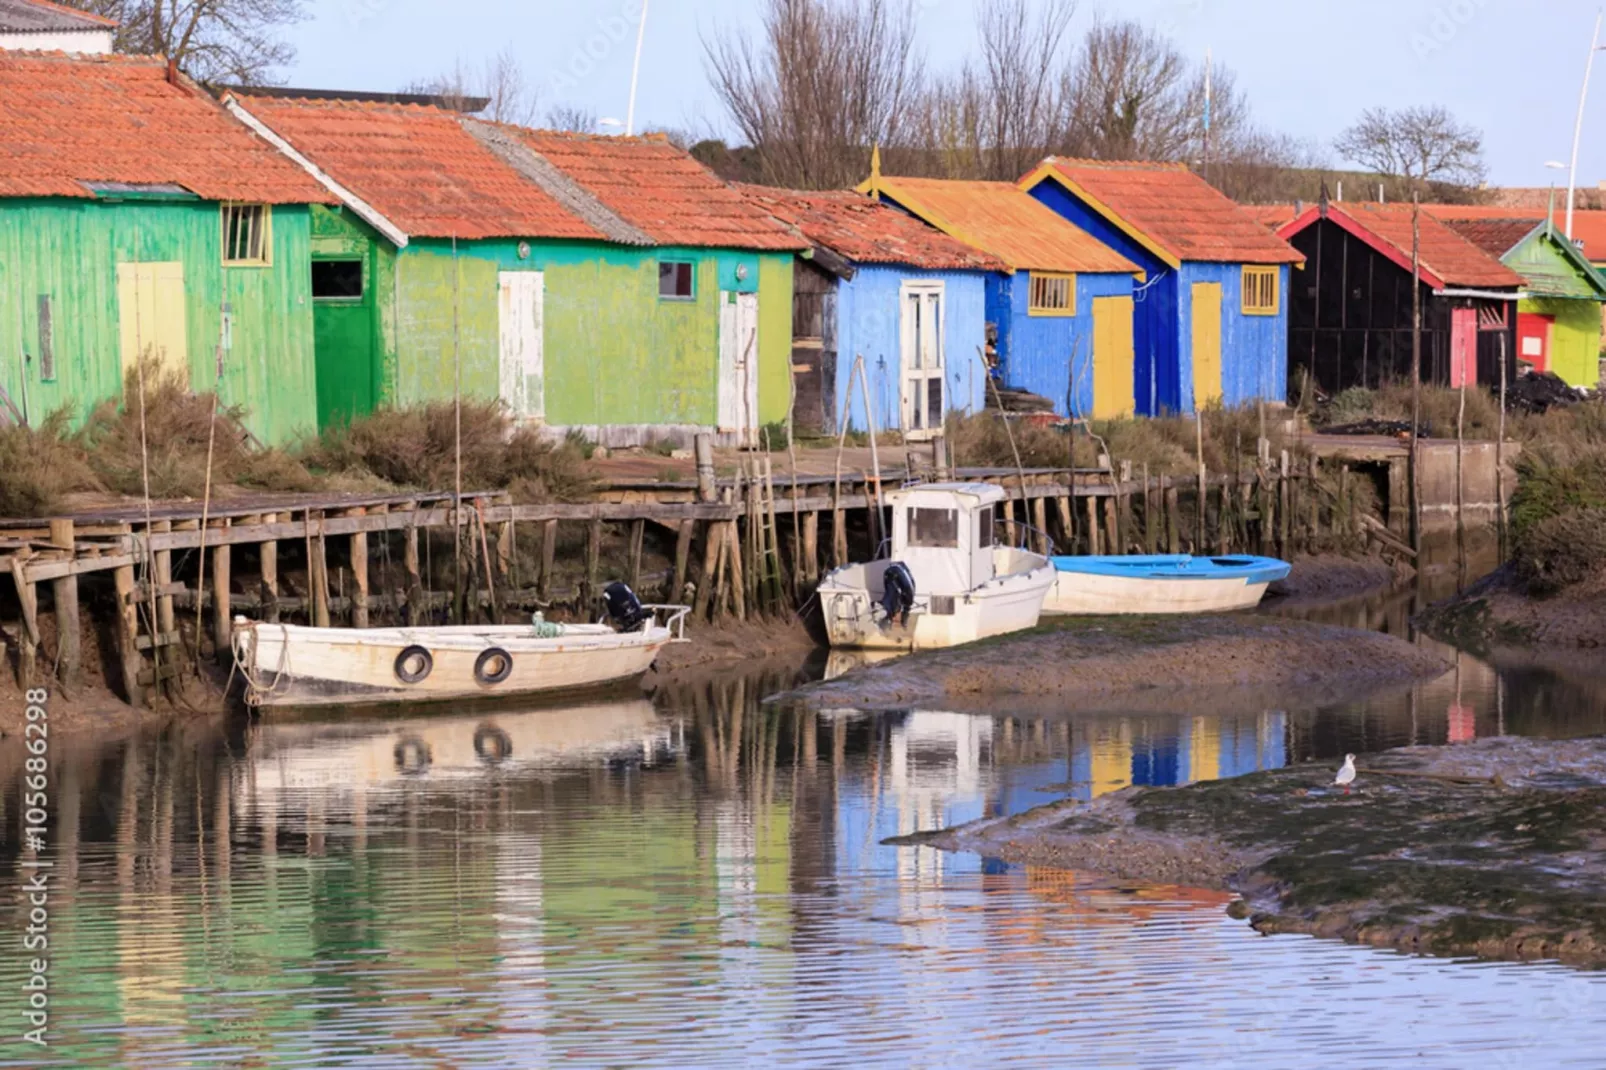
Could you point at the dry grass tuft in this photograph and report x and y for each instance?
(39, 465)
(416, 448)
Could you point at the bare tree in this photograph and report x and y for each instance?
(213, 41)
(1132, 96)
(574, 119)
(998, 119)
(1422, 144)
(824, 81)
(499, 80)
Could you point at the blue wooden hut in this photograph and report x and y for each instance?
(1210, 320)
(880, 285)
(1060, 308)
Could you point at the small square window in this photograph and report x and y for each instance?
(1260, 291)
(1052, 295)
(337, 280)
(984, 528)
(937, 529)
(675, 279)
(247, 234)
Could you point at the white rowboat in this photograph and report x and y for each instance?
(289, 665)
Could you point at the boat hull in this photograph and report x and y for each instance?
(854, 619)
(287, 665)
(1172, 585)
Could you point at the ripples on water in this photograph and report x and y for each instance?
(701, 882)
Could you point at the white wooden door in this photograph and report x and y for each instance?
(523, 369)
(922, 395)
(151, 315)
(738, 365)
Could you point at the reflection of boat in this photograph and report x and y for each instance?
(946, 581)
(287, 665)
(1169, 583)
(841, 662)
(370, 753)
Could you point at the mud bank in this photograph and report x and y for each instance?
(92, 709)
(1498, 610)
(1136, 664)
(1329, 577)
(1495, 849)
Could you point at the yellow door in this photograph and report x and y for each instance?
(150, 315)
(1112, 357)
(1206, 343)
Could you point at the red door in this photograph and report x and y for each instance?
(1463, 346)
(1533, 339)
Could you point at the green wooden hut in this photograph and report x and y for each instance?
(1559, 314)
(137, 217)
(610, 285)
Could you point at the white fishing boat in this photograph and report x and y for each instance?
(945, 582)
(289, 665)
(1167, 583)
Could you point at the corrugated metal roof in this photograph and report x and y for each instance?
(1005, 221)
(866, 231)
(420, 168)
(70, 120)
(1169, 209)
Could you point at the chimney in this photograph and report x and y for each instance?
(172, 72)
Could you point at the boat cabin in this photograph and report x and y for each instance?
(943, 533)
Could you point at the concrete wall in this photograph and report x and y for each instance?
(870, 324)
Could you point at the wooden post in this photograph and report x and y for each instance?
(416, 613)
(588, 593)
(713, 541)
(1062, 506)
(222, 620)
(839, 535)
(1284, 507)
(703, 450)
(270, 574)
(127, 634)
(507, 554)
(359, 574)
(549, 557)
(1112, 527)
(683, 537)
(1399, 507)
(811, 546)
(28, 596)
(1123, 498)
(1092, 525)
(318, 571)
(69, 636)
(738, 583)
(1172, 505)
(1151, 530)
(1265, 504)
(1313, 504)
(1343, 516)
(638, 534)
(1040, 520)
(1009, 520)
(1224, 517)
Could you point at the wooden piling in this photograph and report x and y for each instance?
(638, 534)
(1112, 527)
(738, 583)
(270, 574)
(415, 584)
(1284, 508)
(1092, 525)
(222, 618)
(811, 546)
(69, 635)
(1172, 505)
(1040, 521)
(127, 625)
(318, 570)
(684, 532)
(708, 578)
(549, 557)
(359, 573)
(588, 591)
(28, 638)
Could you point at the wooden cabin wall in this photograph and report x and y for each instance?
(814, 357)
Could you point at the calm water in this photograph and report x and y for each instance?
(698, 880)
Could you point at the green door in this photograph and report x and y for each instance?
(343, 334)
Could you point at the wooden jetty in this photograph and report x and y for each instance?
(169, 580)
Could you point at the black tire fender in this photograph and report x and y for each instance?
(492, 744)
(426, 665)
(489, 657)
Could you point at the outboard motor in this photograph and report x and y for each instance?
(898, 592)
(624, 608)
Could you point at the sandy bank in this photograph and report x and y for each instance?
(1496, 849)
(1136, 664)
(1498, 610)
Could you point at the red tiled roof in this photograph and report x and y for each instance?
(1170, 209)
(419, 168)
(868, 232)
(68, 120)
(1589, 224)
(661, 191)
(1270, 215)
(1497, 237)
(1447, 258)
(1005, 221)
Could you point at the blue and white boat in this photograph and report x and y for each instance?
(1170, 583)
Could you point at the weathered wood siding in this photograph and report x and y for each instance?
(69, 250)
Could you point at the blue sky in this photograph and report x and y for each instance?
(1308, 68)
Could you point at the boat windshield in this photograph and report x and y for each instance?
(937, 529)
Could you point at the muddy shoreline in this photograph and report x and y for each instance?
(1495, 849)
(1498, 611)
(1136, 663)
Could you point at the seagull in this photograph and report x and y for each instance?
(1346, 775)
